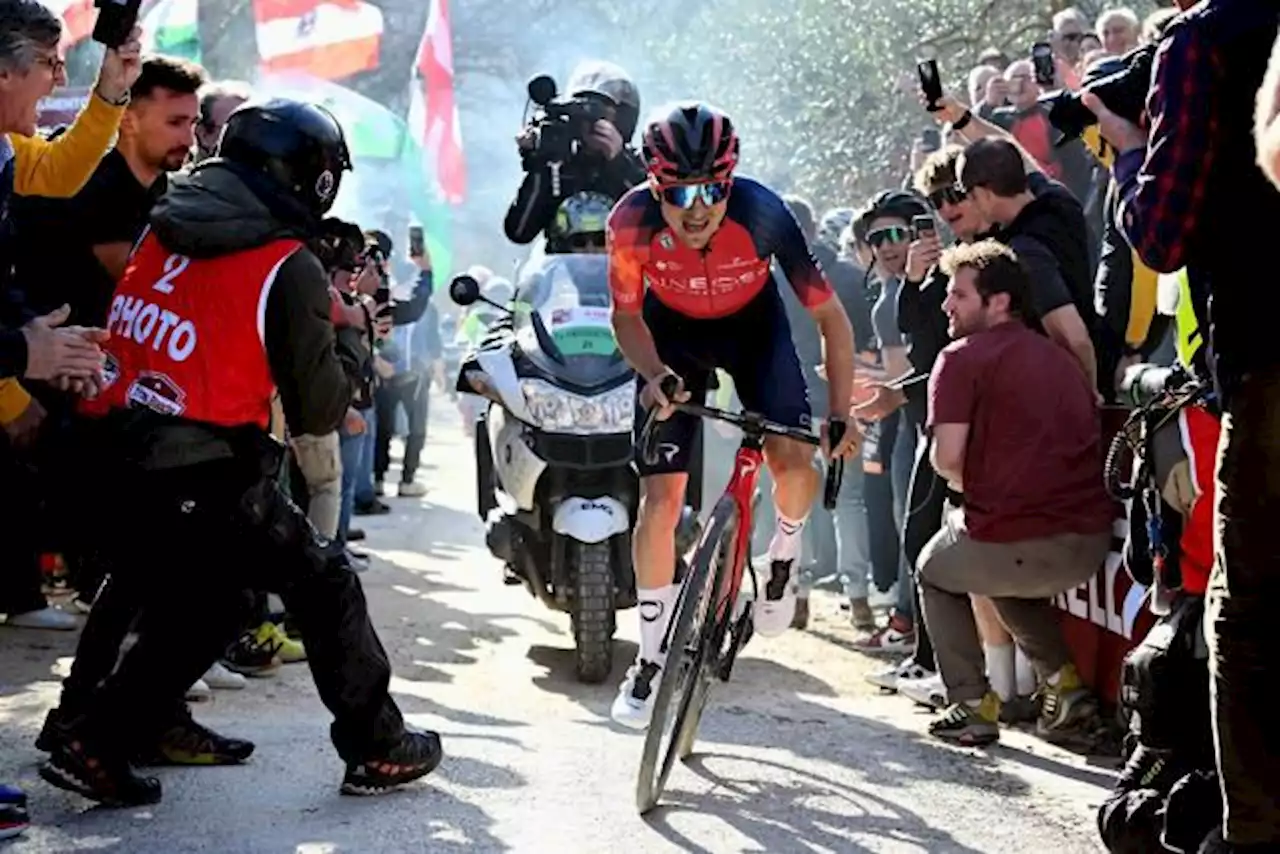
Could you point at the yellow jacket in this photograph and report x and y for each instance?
(58, 169)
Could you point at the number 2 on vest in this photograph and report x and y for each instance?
(174, 265)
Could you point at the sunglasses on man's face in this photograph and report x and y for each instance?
(889, 234)
(684, 195)
(583, 242)
(952, 195)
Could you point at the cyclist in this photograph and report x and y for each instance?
(689, 270)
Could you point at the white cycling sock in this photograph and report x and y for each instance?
(787, 539)
(655, 607)
(1000, 670)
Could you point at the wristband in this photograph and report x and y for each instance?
(122, 101)
(963, 121)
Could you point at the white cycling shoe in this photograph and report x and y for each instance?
(633, 707)
(774, 613)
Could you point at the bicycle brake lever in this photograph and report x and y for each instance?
(669, 385)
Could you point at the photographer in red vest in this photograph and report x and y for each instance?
(222, 305)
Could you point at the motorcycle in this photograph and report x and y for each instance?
(560, 491)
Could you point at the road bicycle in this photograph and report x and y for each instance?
(707, 631)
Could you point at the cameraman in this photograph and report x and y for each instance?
(606, 163)
(1190, 194)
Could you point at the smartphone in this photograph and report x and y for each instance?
(1042, 59)
(922, 224)
(417, 242)
(382, 296)
(930, 83)
(931, 139)
(116, 20)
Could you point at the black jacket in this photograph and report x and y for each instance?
(535, 204)
(211, 212)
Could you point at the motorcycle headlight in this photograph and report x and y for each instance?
(560, 411)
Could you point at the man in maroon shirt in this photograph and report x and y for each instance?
(1016, 431)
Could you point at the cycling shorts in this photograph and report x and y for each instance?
(753, 346)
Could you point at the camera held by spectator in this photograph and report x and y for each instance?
(1120, 84)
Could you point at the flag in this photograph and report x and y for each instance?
(433, 113)
(78, 18)
(331, 39)
(172, 27)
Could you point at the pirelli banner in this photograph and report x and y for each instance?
(1108, 616)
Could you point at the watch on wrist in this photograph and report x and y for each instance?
(122, 101)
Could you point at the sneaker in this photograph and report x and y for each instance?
(291, 651)
(220, 678)
(48, 618)
(1020, 710)
(929, 691)
(968, 726)
(881, 600)
(190, 743)
(417, 755)
(359, 560)
(108, 779)
(254, 653)
(13, 812)
(57, 727)
(634, 704)
(889, 678)
(373, 508)
(199, 691)
(801, 619)
(898, 635)
(774, 613)
(355, 535)
(1064, 706)
(412, 489)
(861, 615)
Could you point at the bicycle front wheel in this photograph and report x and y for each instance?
(690, 647)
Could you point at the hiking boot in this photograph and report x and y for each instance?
(417, 755)
(97, 775)
(190, 743)
(861, 615)
(1065, 705)
(970, 726)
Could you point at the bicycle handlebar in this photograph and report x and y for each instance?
(752, 425)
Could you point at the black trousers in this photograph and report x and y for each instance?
(206, 533)
(409, 391)
(926, 498)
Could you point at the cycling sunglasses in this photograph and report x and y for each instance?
(889, 234)
(684, 195)
(952, 195)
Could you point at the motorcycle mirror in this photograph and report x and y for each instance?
(464, 290)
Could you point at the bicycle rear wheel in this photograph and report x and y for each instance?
(690, 649)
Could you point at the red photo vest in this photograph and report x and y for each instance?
(187, 335)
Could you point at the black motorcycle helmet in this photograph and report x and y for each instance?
(299, 146)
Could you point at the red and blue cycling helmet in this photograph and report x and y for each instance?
(689, 143)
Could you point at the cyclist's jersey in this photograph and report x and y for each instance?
(717, 281)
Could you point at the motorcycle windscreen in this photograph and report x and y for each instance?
(570, 295)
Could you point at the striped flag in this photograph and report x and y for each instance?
(433, 113)
(172, 27)
(330, 39)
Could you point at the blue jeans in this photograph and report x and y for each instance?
(901, 466)
(352, 450)
(852, 534)
(364, 493)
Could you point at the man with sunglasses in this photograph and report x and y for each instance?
(689, 269)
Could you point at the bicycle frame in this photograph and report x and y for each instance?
(741, 489)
